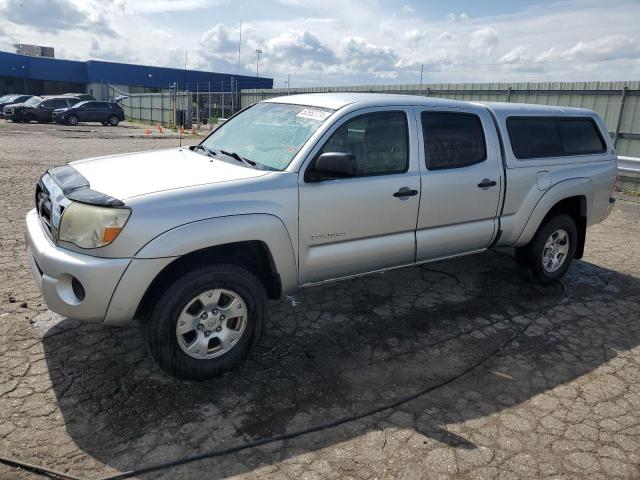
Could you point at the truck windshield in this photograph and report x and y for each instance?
(269, 134)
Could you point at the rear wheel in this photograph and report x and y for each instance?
(113, 121)
(549, 254)
(72, 120)
(205, 322)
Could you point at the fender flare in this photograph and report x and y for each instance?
(573, 187)
(212, 232)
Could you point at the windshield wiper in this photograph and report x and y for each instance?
(208, 151)
(246, 161)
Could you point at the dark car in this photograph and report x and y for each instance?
(39, 109)
(107, 113)
(11, 99)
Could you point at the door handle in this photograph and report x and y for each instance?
(405, 192)
(486, 183)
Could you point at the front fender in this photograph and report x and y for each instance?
(567, 188)
(217, 231)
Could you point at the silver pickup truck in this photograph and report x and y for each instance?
(306, 189)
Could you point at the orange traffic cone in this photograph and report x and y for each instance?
(193, 131)
(158, 127)
(147, 131)
(181, 130)
(160, 130)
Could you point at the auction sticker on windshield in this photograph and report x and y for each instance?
(313, 113)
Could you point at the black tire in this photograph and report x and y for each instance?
(159, 327)
(531, 256)
(104, 123)
(113, 121)
(72, 120)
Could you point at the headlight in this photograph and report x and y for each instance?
(90, 226)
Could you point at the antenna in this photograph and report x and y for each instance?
(239, 44)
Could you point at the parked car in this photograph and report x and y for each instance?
(7, 110)
(306, 189)
(12, 99)
(39, 110)
(107, 113)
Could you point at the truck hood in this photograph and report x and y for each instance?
(134, 174)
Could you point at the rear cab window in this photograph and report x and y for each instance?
(544, 137)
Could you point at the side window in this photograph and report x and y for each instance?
(534, 137)
(60, 103)
(452, 140)
(580, 136)
(541, 137)
(378, 141)
(47, 104)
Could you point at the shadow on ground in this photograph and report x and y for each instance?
(344, 349)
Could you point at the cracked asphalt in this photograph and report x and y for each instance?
(560, 401)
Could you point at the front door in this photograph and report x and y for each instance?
(462, 182)
(365, 222)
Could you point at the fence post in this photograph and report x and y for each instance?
(222, 102)
(622, 99)
(509, 93)
(198, 104)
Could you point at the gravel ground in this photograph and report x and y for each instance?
(555, 395)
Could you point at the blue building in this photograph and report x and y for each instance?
(43, 76)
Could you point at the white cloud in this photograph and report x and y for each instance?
(485, 39)
(462, 17)
(408, 9)
(333, 41)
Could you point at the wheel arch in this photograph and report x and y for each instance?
(258, 242)
(254, 255)
(572, 197)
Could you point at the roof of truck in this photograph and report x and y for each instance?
(337, 100)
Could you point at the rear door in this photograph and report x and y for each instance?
(462, 182)
(101, 112)
(361, 224)
(88, 112)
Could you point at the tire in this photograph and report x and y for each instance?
(113, 121)
(169, 337)
(549, 254)
(72, 120)
(104, 123)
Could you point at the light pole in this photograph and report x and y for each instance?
(258, 52)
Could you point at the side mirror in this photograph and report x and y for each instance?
(332, 165)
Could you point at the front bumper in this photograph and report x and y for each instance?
(55, 268)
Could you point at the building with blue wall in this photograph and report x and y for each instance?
(42, 76)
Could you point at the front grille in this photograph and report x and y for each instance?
(50, 204)
(8, 111)
(43, 206)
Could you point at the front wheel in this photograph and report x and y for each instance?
(205, 322)
(550, 253)
(72, 120)
(113, 121)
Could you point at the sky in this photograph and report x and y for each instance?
(343, 42)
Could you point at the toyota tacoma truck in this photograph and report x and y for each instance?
(305, 189)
